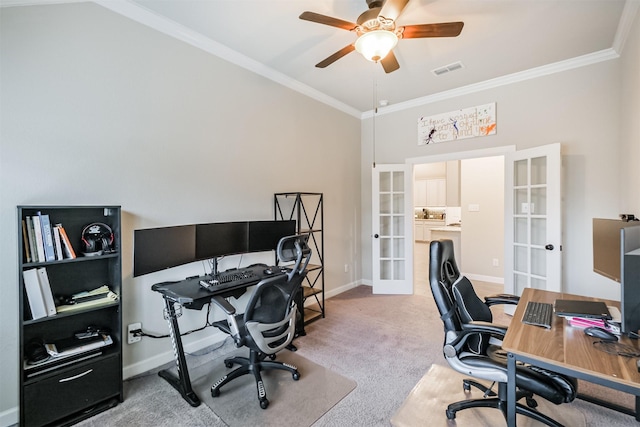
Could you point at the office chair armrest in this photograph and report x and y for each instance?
(501, 299)
(224, 305)
(484, 327)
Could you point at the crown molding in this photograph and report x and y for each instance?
(533, 73)
(171, 28)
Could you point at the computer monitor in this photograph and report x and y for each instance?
(615, 255)
(607, 249)
(265, 235)
(221, 238)
(156, 249)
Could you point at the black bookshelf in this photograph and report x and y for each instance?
(63, 390)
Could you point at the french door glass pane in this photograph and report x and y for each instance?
(385, 269)
(398, 268)
(521, 262)
(538, 231)
(385, 226)
(520, 173)
(539, 171)
(385, 248)
(385, 204)
(539, 201)
(520, 230)
(538, 262)
(385, 182)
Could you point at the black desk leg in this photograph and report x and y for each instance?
(511, 390)
(182, 383)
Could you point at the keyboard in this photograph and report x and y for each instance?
(538, 314)
(229, 279)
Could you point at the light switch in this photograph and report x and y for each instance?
(474, 207)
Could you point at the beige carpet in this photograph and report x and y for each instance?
(291, 403)
(427, 402)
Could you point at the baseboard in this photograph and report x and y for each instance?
(341, 289)
(165, 357)
(490, 279)
(9, 417)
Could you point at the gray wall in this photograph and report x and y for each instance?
(97, 109)
(592, 111)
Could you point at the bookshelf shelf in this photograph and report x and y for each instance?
(63, 390)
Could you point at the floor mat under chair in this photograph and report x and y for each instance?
(291, 403)
(427, 402)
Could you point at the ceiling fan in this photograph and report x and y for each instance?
(378, 34)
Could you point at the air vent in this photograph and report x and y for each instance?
(448, 68)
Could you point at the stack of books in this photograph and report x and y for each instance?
(44, 241)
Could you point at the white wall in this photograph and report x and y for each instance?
(97, 109)
(580, 108)
(482, 236)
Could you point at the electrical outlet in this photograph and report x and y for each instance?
(496, 262)
(130, 337)
(346, 268)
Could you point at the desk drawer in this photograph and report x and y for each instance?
(72, 391)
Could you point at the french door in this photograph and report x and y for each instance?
(392, 233)
(533, 229)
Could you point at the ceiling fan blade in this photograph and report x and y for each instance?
(445, 29)
(327, 20)
(390, 63)
(391, 9)
(333, 58)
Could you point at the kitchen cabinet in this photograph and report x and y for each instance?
(422, 229)
(436, 192)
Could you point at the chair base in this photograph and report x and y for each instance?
(255, 364)
(500, 402)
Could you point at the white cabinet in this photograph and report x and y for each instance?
(420, 192)
(422, 229)
(436, 192)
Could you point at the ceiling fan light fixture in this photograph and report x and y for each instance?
(375, 45)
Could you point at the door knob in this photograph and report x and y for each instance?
(376, 235)
(549, 247)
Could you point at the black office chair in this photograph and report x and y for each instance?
(268, 323)
(468, 350)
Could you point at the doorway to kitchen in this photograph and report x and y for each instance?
(466, 205)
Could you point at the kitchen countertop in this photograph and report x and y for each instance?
(448, 228)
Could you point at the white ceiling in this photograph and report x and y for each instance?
(502, 40)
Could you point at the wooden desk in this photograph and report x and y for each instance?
(565, 350)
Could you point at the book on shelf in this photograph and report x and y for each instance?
(25, 241)
(32, 240)
(34, 294)
(57, 243)
(66, 243)
(47, 237)
(37, 232)
(47, 295)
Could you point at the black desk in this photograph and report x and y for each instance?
(191, 295)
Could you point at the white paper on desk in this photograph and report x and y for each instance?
(616, 316)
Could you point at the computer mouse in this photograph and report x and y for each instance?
(603, 334)
(268, 271)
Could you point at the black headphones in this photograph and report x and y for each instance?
(97, 238)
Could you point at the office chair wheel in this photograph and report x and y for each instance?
(296, 376)
(272, 356)
(228, 364)
(215, 392)
(451, 415)
(531, 402)
(466, 386)
(264, 403)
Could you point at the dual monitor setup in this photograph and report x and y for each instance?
(160, 248)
